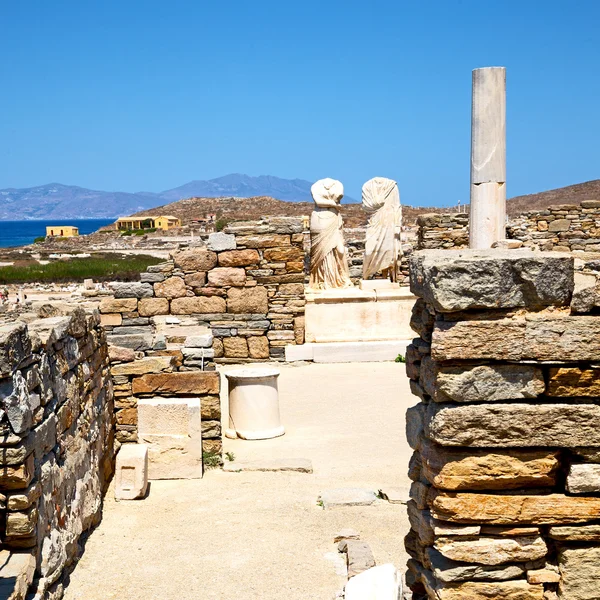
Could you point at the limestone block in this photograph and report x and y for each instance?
(132, 289)
(551, 509)
(580, 573)
(198, 305)
(559, 225)
(263, 241)
(543, 576)
(173, 287)
(377, 583)
(22, 500)
(492, 551)
(421, 522)
(450, 469)
(120, 354)
(195, 279)
(203, 340)
(480, 279)
(247, 300)
(190, 382)
(17, 477)
(239, 258)
(16, 402)
(258, 347)
(195, 259)
(131, 472)
(513, 425)
(285, 254)
(21, 524)
(118, 305)
(347, 497)
(235, 347)
(359, 557)
(571, 533)
(584, 479)
(151, 277)
(483, 383)
(111, 320)
(150, 364)
(574, 382)
(150, 307)
(220, 241)
(585, 296)
(134, 341)
(226, 276)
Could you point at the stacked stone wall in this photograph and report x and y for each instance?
(56, 442)
(442, 231)
(505, 500)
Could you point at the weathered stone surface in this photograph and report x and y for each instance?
(584, 479)
(132, 289)
(347, 497)
(111, 320)
(263, 241)
(298, 465)
(131, 472)
(421, 522)
(118, 305)
(204, 340)
(173, 287)
(195, 279)
(235, 347)
(377, 583)
(151, 277)
(559, 225)
(585, 294)
(190, 382)
(483, 383)
(17, 477)
(551, 509)
(210, 407)
(580, 573)
(226, 276)
(514, 425)
(571, 533)
(574, 382)
(220, 241)
(138, 341)
(239, 258)
(284, 254)
(492, 551)
(543, 576)
(198, 305)
(150, 307)
(247, 300)
(450, 571)
(15, 400)
(450, 469)
(258, 347)
(120, 354)
(359, 557)
(150, 364)
(21, 524)
(195, 259)
(477, 279)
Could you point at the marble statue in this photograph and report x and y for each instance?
(328, 254)
(381, 199)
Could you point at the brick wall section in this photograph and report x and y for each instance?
(506, 470)
(442, 231)
(560, 228)
(56, 441)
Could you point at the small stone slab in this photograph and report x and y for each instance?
(347, 497)
(394, 495)
(359, 557)
(297, 465)
(346, 534)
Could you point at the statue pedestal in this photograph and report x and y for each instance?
(378, 284)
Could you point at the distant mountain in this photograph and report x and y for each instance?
(58, 201)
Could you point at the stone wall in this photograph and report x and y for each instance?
(57, 439)
(506, 470)
(443, 231)
(560, 228)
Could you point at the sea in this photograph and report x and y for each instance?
(20, 233)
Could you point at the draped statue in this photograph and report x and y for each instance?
(328, 254)
(381, 199)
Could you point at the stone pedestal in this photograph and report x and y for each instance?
(131, 472)
(254, 404)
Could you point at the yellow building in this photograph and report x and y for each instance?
(61, 231)
(163, 222)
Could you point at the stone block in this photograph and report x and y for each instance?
(173, 287)
(220, 241)
(239, 258)
(190, 382)
(140, 341)
(491, 279)
(203, 340)
(132, 289)
(150, 307)
(347, 497)
(575, 533)
(198, 305)
(263, 241)
(258, 347)
(359, 556)
(564, 382)
(580, 573)
(151, 277)
(17, 477)
(195, 259)
(559, 225)
(377, 583)
(227, 276)
(584, 479)
(131, 472)
(111, 319)
(120, 354)
(284, 254)
(150, 364)
(247, 300)
(235, 347)
(118, 305)
(297, 465)
(195, 280)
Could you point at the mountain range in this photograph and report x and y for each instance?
(58, 201)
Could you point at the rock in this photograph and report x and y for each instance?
(140, 341)
(195, 280)
(21, 524)
(570, 533)
(450, 571)
(150, 364)
(173, 287)
(204, 340)
(585, 296)
(190, 382)
(492, 551)
(111, 320)
(17, 477)
(131, 472)
(235, 347)
(14, 398)
(450, 469)
(118, 305)
(580, 573)
(226, 276)
(421, 522)
(195, 259)
(120, 354)
(346, 534)
(258, 347)
(284, 254)
(559, 225)
(150, 307)
(359, 557)
(132, 289)
(263, 241)
(50, 330)
(507, 244)
(16, 574)
(584, 479)
(483, 383)
(22, 500)
(477, 279)
(377, 583)
(551, 509)
(198, 305)
(543, 576)
(298, 465)
(247, 300)
(347, 497)
(573, 382)
(151, 277)
(239, 258)
(513, 425)
(220, 241)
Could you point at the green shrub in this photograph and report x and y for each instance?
(400, 358)
(211, 460)
(220, 224)
(39, 240)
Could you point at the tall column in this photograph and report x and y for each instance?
(487, 221)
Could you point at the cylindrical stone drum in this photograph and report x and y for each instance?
(254, 404)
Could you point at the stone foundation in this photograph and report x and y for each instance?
(506, 470)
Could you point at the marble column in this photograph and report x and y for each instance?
(487, 221)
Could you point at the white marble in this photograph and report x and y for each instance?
(131, 472)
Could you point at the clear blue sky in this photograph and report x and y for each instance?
(138, 95)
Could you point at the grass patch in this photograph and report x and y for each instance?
(212, 460)
(230, 456)
(99, 268)
(400, 358)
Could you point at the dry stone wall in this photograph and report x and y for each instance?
(56, 442)
(505, 500)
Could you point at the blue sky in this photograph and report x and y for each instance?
(131, 95)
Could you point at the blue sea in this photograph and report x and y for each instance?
(20, 233)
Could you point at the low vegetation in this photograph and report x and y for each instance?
(99, 268)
